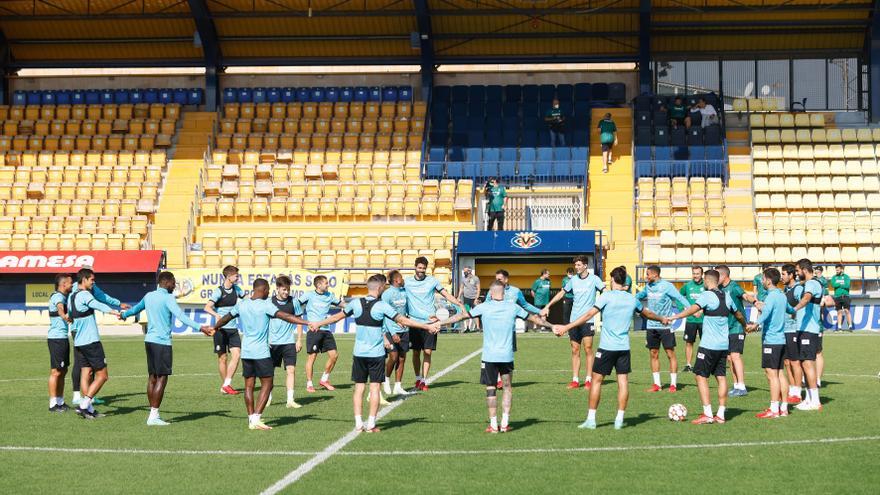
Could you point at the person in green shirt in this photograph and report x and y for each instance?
(841, 284)
(628, 284)
(568, 300)
(608, 137)
(822, 281)
(677, 112)
(555, 120)
(694, 324)
(497, 196)
(758, 282)
(541, 289)
(736, 332)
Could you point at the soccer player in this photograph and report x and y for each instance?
(370, 343)
(758, 282)
(317, 304)
(284, 344)
(541, 289)
(737, 334)
(661, 295)
(568, 300)
(498, 315)
(420, 291)
(583, 286)
(841, 284)
(256, 313)
(59, 346)
(161, 309)
(716, 306)
(227, 341)
(87, 341)
(395, 296)
(807, 311)
(792, 361)
(693, 326)
(617, 308)
(76, 374)
(772, 320)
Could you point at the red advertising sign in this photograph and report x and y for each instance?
(71, 261)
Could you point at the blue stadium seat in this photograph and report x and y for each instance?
(273, 95)
(642, 103)
(546, 92)
(565, 92)
(258, 95)
(331, 94)
(230, 95)
(712, 135)
(567, 108)
(530, 111)
(34, 97)
(617, 92)
(661, 136)
(460, 110)
(529, 138)
(695, 136)
(476, 108)
(166, 96)
(644, 169)
(459, 94)
(493, 109)
(680, 152)
(476, 137)
(63, 97)
(543, 137)
(513, 93)
(485, 170)
(361, 94)
(507, 171)
(530, 93)
(346, 94)
(583, 92)
(473, 154)
(562, 153)
(493, 138)
(476, 93)
(454, 170)
(510, 109)
(545, 154)
(642, 118)
(441, 93)
(560, 170)
(195, 96)
(714, 152)
(643, 136)
(494, 93)
(657, 101)
(642, 153)
(440, 119)
(47, 98)
(437, 153)
(456, 153)
(580, 153)
(434, 170)
(661, 117)
(404, 93)
(19, 98)
(389, 93)
(375, 93)
(508, 154)
(458, 139)
(438, 138)
(600, 91)
(180, 96)
(580, 139)
(245, 95)
(90, 97)
(678, 137)
(582, 108)
(475, 122)
(510, 137)
(662, 153)
(288, 95)
(318, 95)
(78, 97)
(134, 97)
(491, 154)
(120, 96)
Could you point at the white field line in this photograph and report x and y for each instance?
(385, 453)
(335, 447)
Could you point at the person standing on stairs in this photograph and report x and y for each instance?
(608, 138)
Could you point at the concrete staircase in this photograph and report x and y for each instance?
(738, 196)
(171, 227)
(610, 203)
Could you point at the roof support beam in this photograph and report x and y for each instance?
(874, 60)
(211, 48)
(645, 78)
(426, 46)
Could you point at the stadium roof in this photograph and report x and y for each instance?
(84, 33)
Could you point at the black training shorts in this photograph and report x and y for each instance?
(656, 336)
(283, 353)
(401, 347)
(578, 333)
(225, 339)
(606, 361)
(710, 363)
(692, 331)
(842, 302)
(257, 368)
(59, 353)
(489, 372)
(772, 356)
(91, 356)
(808, 346)
(320, 341)
(158, 359)
(368, 368)
(422, 339)
(736, 342)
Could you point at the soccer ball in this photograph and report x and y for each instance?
(677, 412)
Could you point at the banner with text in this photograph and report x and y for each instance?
(194, 285)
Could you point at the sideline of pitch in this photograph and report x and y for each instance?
(384, 453)
(335, 447)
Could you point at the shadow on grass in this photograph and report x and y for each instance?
(195, 416)
(398, 423)
(449, 383)
(312, 399)
(289, 420)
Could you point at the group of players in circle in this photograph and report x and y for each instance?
(399, 314)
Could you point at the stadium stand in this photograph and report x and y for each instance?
(180, 96)
(82, 176)
(465, 139)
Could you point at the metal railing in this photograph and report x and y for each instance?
(682, 168)
(538, 211)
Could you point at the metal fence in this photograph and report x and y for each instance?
(558, 211)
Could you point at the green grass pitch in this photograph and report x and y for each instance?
(434, 442)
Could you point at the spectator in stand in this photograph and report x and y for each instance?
(608, 138)
(497, 196)
(677, 113)
(708, 114)
(556, 123)
(694, 117)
